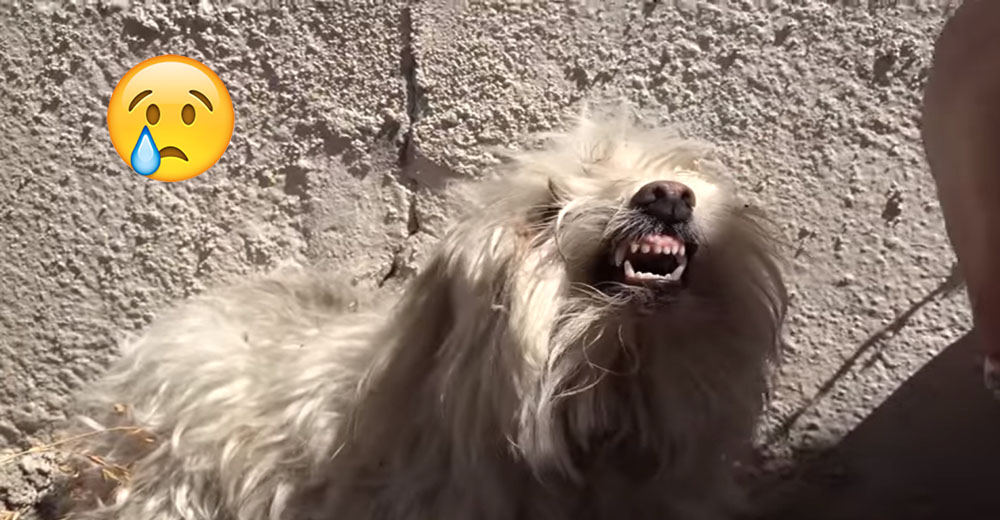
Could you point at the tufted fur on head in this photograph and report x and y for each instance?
(570, 350)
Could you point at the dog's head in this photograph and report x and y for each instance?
(631, 225)
(637, 219)
(606, 286)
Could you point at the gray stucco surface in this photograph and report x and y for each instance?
(348, 120)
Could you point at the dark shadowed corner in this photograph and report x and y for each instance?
(930, 452)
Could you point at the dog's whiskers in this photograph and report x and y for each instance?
(581, 389)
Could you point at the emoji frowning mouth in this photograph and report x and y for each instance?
(173, 151)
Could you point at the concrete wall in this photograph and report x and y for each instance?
(349, 118)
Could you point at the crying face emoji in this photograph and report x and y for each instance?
(170, 118)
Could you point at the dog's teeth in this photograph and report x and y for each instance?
(657, 249)
(676, 275)
(629, 272)
(681, 253)
(620, 254)
(635, 247)
(645, 248)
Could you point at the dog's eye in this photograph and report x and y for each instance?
(549, 212)
(556, 192)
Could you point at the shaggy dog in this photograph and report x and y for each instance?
(588, 341)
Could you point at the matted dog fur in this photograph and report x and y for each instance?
(590, 340)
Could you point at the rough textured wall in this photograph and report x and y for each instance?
(349, 119)
(815, 109)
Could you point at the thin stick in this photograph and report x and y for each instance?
(12, 515)
(47, 447)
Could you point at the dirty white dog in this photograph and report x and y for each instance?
(588, 341)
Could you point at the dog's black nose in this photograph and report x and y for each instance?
(670, 201)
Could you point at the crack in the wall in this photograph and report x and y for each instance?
(407, 148)
(414, 94)
(413, 218)
(414, 101)
(392, 271)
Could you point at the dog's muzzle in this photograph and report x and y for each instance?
(659, 257)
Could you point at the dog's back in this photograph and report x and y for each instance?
(245, 386)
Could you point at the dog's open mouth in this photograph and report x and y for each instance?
(652, 259)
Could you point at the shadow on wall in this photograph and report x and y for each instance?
(947, 287)
(931, 451)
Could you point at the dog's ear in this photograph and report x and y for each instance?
(559, 194)
(558, 197)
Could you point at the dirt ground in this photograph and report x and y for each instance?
(351, 115)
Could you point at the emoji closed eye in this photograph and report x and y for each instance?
(187, 114)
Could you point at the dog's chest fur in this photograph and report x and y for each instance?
(639, 437)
